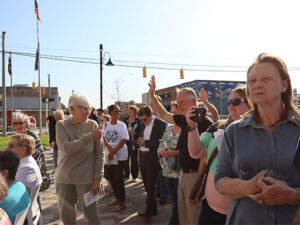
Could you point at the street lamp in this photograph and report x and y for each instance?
(109, 63)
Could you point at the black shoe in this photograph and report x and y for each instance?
(144, 214)
(147, 220)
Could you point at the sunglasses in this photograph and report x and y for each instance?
(18, 123)
(144, 120)
(236, 101)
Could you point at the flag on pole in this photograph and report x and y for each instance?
(9, 65)
(37, 58)
(36, 10)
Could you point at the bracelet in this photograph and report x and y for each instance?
(191, 128)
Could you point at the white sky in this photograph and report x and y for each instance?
(228, 33)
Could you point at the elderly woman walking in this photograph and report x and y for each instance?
(80, 167)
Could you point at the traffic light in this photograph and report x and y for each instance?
(44, 91)
(144, 72)
(51, 99)
(33, 85)
(44, 99)
(181, 74)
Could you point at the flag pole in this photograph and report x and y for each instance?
(11, 100)
(39, 80)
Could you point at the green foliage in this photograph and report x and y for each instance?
(5, 140)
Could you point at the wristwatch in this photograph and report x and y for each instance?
(191, 128)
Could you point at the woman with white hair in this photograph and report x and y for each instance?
(80, 167)
(21, 125)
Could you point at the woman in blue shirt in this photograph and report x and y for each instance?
(255, 166)
(17, 198)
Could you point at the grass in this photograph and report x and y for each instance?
(5, 140)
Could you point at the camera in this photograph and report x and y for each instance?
(199, 115)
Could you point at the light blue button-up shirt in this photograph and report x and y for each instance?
(248, 148)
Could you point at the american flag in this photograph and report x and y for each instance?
(36, 10)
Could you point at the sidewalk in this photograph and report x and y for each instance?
(135, 202)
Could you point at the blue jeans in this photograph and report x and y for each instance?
(172, 185)
(162, 186)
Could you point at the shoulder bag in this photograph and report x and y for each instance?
(198, 188)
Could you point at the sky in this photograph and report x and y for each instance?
(174, 34)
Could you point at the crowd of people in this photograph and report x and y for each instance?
(253, 178)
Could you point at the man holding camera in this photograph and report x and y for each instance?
(186, 98)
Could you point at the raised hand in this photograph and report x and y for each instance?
(203, 96)
(152, 85)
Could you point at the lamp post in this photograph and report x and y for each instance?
(109, 63)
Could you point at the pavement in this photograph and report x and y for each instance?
(135, 202)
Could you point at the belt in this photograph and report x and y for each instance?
(144, 153)
(189, 170)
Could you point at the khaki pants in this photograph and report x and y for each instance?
(67, 195)
(188, 213)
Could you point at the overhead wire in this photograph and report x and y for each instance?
(128, 63)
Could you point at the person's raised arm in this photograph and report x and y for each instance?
(156, 105)
(195, 146)
(211, 107)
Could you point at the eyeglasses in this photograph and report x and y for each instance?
(236, 101)
(11, 145)
(88, 109)
(18, 123)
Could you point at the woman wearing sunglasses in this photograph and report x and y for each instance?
(22, 125)
(255, 168)
(215, 205)
(115, 136)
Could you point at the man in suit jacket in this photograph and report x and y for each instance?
(152, 130)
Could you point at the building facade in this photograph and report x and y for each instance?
(26, 99)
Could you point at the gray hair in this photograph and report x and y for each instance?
(59, 114)
(3, 188)
(22, 116)
(78, 100)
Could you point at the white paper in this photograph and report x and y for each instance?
(89, 198)
(219, 137)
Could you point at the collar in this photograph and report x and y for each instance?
(151, 123)
(249, 121)
(25, 159)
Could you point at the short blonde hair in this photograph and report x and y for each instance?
(3, 188)
(22, 116)
(78, 100)
(27, 141)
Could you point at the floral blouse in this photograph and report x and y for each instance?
(169, 140)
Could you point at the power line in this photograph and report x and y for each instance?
(90, 61)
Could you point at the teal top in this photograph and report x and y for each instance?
(210, 144)
(16, 200)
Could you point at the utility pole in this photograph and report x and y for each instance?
(4, 122)
(49, 94)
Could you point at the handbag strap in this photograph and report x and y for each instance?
(212, 157)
